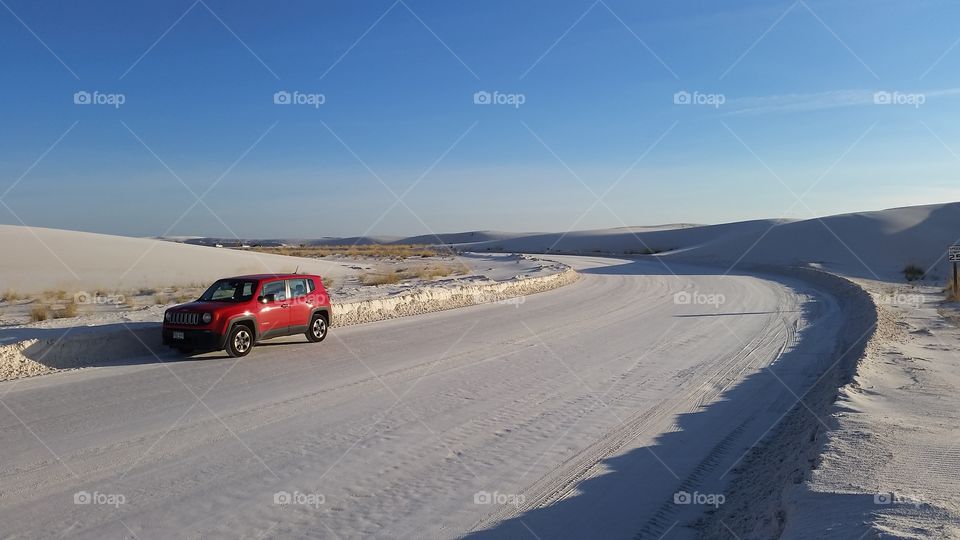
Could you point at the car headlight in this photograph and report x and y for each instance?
(167, 316)
(207, 318)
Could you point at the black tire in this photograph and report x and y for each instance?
(185, 350)
(239, 341)
(317, 331)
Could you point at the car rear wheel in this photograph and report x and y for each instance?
(317, 330)
(240, 341)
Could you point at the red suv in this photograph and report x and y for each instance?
(235, 313)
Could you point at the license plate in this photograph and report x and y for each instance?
(178, 335)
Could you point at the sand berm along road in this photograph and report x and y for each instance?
(586, 409)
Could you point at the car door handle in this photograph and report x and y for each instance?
(284, 305)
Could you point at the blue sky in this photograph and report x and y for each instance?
(787, 122)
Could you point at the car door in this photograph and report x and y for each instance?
(274, 314)
(301, 305)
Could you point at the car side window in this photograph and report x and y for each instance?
(277, 288)
(225, 291)
(298, 287)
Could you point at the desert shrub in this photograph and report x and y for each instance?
(433, 272)
(381, 279)
(913, 272)
(56, 294)
(10, 295)
(68, 310)
(39, 312)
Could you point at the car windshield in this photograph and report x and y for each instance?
(230, 290)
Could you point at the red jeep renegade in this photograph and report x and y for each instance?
(235, 313)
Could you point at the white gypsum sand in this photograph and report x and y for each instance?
(508, 388)
(597, 402)
(869, 245)
(37, 259)
(57, 345)
(891, 464)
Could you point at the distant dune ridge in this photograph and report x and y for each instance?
(865, 244)
(871, 245)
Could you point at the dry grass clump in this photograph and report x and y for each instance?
(56, 294)
(68, 310)
(374, 251)
(953, 295)
(39, 312)
(10, 295)
(433, 272)
(388, 278)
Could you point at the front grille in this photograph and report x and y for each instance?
(185, 318)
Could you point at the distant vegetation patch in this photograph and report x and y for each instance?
(913, 272)
(373, 251)
(428, 272)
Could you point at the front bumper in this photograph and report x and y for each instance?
(194, 338)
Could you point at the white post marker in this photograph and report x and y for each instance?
(953, 255)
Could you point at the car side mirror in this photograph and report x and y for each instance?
(267, 298)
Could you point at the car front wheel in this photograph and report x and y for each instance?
(317, 329)
(240, 341)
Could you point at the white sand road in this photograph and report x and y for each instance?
(593, 404)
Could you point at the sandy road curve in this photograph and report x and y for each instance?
(585, 409)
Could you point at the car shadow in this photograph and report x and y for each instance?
(132, 343)
(88, 346)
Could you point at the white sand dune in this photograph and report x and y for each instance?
(624, 240)
(872, 245)
(36, 259)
